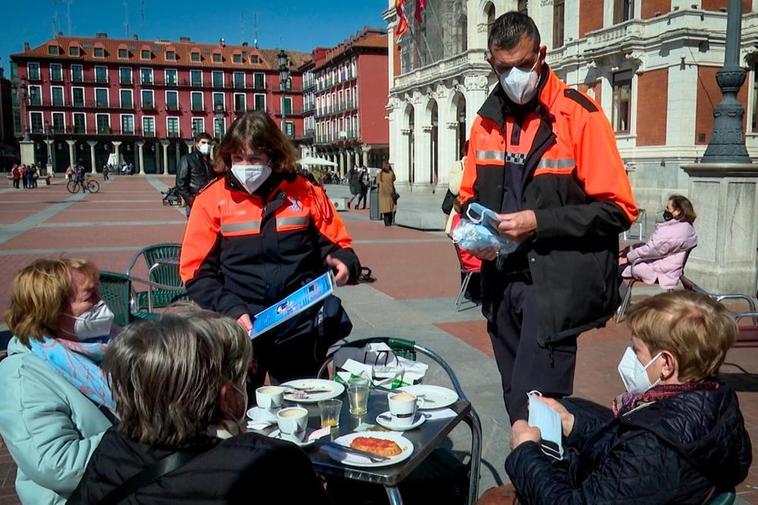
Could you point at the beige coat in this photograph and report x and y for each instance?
(386, 182)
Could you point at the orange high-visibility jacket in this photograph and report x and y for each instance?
(241, 254)
(573, 178)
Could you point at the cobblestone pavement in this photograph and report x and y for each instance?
(413, 297)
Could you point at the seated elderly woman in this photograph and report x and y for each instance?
(676, 435)
(661, 259)
(179, 386)
(56, 402)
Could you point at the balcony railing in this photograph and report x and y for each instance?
(197, 108)
(173, 135)
(148, 106)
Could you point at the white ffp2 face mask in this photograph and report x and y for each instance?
(204, 148)
(96, 322)
(520, 85)
(634, 374)
(251, 176)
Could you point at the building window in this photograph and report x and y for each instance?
(198, 126)
(80, 122)
(219, 128)
(59, 122)
(56, 72)
(146, 75)
(195, 56)
(218, 79)
(75, 51)
(172, 100)
(170, 55)
(99, 52)
(286, 105)
(172, 126)
(36, 122)
(145, 54)
(125, 75)
(126, 97)
(148, 99)
(239, 102)
(52, 50)
(622, 101)
(123, 54)
(77, 97)
(101, 97)
(101, 75)
(558, 22)
(77, 73)
(237, 58)
(56, 93)
(259, 80)
(148, 126)
(217, 58)
(260, 102)
(255, 59)
(32, 71)
(103, 123)
(623, 10)
(171, 77)
(196, 101)
(289, 129)
(239, 80)
(127, 124)
(218, 101)
(196, 78)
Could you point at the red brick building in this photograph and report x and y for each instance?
(345, 95)
(86, 98)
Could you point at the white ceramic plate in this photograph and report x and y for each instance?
(332, 389)
(383, 421)
(351, 460)
(304, 443)
(435, 397)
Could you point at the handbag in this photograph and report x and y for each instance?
(448, 202)
(395, 196)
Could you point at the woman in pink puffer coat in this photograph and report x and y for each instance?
(661, 259)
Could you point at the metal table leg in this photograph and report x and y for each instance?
(393, 493)
(472, 419)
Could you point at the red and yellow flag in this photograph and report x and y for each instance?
(402, 22)
(420, 6)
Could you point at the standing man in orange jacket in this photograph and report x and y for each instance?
(544, 157)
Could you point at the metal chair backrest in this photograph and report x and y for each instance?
(167, 274)
(116, 291)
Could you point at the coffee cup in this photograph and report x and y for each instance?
(269, 397)
(292, 422)
(402, 408)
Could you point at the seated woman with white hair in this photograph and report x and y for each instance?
(179, 387)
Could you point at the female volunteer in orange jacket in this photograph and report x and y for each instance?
(256, 235)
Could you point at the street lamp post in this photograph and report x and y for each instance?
(218, 110)
(24, 96)
(49, 141)
(284, 77)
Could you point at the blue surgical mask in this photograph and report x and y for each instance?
(548, 420)
(634, 374)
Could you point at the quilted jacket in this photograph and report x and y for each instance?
(676, 450)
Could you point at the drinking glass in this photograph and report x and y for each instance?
(357, 393)
(330, 413)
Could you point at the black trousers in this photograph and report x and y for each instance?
(362, 198)
(388, 217)
(525, 363)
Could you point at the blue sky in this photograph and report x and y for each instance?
(292, 24)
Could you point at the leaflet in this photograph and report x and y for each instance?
(300, 300)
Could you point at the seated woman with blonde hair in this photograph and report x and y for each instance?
(56, 403)
(675, 436)
(179, 386)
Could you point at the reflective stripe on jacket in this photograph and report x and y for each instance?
(574, 180)
(241, 254)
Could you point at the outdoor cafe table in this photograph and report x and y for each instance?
(425, 439)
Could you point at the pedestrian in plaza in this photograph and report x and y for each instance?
(24, 178)
(363, 179)
(16, 175)
(80, 176)
(195, 170)
(543, 156)
(56, 402)
(259, 233)
(385, 181)
(69, 173)
(106, 171)
(33, 176)
(179, 386)
(676, 436)
(354, 183)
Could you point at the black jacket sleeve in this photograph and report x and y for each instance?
(183, 177)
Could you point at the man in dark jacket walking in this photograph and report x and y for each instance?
(544, 157)
(195, 170)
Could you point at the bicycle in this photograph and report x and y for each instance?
(90, 185)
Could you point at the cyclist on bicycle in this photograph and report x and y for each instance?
(79, 176)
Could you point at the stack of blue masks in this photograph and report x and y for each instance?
(478, 230)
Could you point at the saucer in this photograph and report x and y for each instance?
(300, 443)
(385, 420)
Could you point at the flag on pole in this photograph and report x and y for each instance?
(420, 6)
(402, 23)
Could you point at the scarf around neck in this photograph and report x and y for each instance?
(625, 403)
